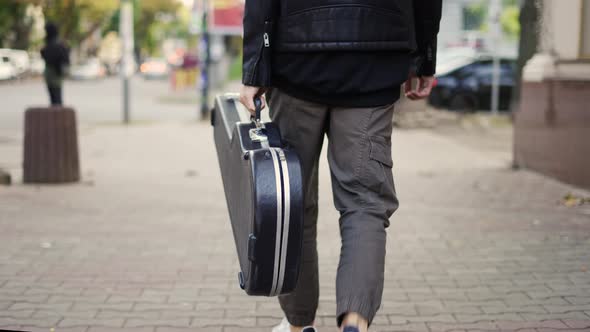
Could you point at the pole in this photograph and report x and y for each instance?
(495, 28)
(126, 102)
(206, 62)
(126, 32)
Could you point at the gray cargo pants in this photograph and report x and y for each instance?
(359, 154)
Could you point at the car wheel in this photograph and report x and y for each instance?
(463, 103)
(435, 99)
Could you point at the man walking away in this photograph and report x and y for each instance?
(334, 68)
(57, 59)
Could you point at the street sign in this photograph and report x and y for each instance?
(226, 17)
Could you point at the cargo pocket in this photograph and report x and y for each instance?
(378, 176)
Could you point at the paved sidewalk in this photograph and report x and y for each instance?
(143, 244)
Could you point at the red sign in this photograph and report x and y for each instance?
(226, 17)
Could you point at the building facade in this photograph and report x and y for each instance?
(552, 127)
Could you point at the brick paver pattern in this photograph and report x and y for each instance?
(143, 243)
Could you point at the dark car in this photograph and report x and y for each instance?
(466, 85)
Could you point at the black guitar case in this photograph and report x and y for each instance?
(263, 190)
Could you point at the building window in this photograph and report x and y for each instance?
(585, 35)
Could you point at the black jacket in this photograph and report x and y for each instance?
(56, 56)
(338, 25)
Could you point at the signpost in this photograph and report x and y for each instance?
(196, 23)
(496, 34)
(205, 48)
(213, 18)
(127, 62)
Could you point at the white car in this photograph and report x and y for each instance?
(20, 59)
(155, 68)
(37, 65)
(7, 69)
(90, 69)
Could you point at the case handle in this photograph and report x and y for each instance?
(258, 110)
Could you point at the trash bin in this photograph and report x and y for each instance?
(51, 146)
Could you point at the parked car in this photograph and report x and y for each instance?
(20, 59)
(7, 68)
(464, 83)
(90, 69)
(154, 68)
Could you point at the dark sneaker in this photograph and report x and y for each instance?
(309, 329)
(350, 329)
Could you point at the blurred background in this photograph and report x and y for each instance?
(168, 42)
(493, 173)
(167, 37)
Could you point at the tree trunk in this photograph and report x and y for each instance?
(530, 16)
(16, 26)
(22, 32)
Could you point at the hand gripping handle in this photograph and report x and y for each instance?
(256, 117)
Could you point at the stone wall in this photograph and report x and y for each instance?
(552, 130)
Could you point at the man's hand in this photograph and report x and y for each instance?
(247, 95)
(422, 90)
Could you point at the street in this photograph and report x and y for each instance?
(143, 242)
(99, 101)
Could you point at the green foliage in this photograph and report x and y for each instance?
(15, 26)
(475, 17)
(78, 19)
(510, 22)
(153, 20)
(152, 15)
(235, 69)
(510, 3)
(7, 18)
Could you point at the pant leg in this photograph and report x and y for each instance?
(55, 93)
(51, 92)
(58, 96)
(360, 160)
(302, 126)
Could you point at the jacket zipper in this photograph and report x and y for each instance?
(265, 44)
(266, 40)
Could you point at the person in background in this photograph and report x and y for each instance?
(334, 68)
(57, 59)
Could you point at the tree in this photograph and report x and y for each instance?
(510, 21)
(530, 17)
(475, 17)
(151, 19)
(151, 12)
(15, 24)
(78, 19)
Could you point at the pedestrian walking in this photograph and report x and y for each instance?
(57, 59)
(335, 68)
